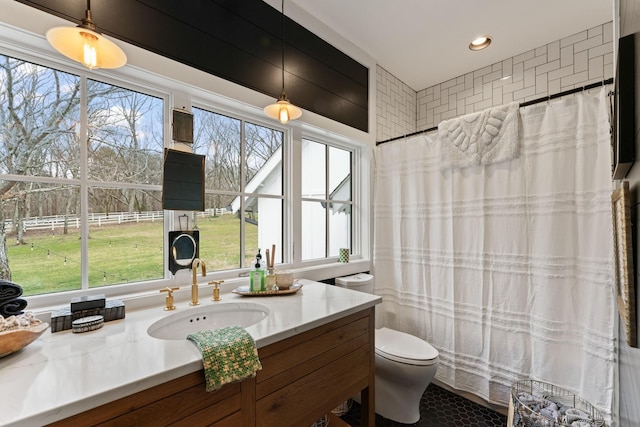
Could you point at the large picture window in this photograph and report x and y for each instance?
(81, 162)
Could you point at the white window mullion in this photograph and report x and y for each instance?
(294, 139)
(243, 183)
(84, 188)
(327, 209)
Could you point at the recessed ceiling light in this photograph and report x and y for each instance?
(480, 43)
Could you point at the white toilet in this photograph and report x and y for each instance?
(405, 364)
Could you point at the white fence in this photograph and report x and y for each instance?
(100, 219)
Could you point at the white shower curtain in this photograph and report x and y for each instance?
(506, 268)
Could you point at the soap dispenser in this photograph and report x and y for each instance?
(262, 263)
(256, 275)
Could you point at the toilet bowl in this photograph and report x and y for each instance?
(405, 365)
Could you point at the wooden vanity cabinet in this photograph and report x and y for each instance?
(302, 378)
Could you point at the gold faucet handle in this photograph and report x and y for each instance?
(216, 289)
(169, 300)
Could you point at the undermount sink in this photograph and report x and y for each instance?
(179, 325)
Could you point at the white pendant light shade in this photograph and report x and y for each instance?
(283, 110)
(86, 46)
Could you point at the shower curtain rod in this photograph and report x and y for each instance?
(522, 104)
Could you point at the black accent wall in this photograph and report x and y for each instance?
(237, 40)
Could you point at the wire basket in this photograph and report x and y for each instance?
(540, 404)
(342, 408)
(322, 422)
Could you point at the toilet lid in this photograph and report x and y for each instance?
(404, 348)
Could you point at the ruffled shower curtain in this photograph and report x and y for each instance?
(505, 268)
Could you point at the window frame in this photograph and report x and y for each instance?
(242, 194)
(327, 200)
(173, 94)
(359, 174)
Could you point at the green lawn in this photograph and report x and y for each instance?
(123, 253)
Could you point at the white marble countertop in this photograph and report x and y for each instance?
(63, 374)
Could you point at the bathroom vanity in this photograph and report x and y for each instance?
(316, 348)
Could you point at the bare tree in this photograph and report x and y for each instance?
(39, 115)
(219, 137)
(125, 144)
(261, 144)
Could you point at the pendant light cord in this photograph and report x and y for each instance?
(282, 34)
(282, 110)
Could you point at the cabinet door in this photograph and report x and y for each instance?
(306, 376)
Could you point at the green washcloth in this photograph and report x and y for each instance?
(228, 354)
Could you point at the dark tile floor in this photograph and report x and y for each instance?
(440, 408)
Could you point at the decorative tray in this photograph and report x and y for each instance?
(244, 290)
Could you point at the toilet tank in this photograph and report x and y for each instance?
(362, 282)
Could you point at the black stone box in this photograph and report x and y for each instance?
(62, 319)
(87, 302)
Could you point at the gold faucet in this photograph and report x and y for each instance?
(197, 262)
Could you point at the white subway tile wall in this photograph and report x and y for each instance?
(395, 106)
(574, 61)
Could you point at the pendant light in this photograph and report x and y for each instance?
(85, 45)
(282, 110)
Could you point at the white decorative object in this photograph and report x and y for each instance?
(483, 138)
